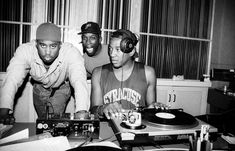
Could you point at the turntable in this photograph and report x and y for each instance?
(169, 119)
(157, 122)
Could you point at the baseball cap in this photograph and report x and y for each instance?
(90, 27)
(48, 31)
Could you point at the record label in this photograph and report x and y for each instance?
(165, 115)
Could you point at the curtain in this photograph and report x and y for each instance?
(179, 43)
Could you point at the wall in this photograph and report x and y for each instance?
(223, 46)
(223, 54)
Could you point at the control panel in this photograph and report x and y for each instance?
(73, 128)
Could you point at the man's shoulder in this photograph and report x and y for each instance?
(97, 71)
(69, 48)
(28, 44)
(68, 45)
(27, 47)
(149, 69)
(104, 70)
(150, 72)
(107, 66)
(103, 67)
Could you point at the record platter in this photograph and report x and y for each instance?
(169, 119)
(157, 122)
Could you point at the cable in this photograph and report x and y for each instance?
(47, 109)
(114, 140)
(89, 139)
(51, 107)
(122, 77)
(114, 135)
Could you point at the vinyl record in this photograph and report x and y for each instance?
(171, 118)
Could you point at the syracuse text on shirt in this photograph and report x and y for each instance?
(127, 94)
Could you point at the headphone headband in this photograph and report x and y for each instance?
(128, 34)
(129, 40)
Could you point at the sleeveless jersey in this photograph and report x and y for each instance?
(131, 93)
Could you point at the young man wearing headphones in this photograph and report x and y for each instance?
(124, 83)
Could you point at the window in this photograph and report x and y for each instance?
(12, 29)
(174, 35)
(19, 20)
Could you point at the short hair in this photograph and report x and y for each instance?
(124, 33)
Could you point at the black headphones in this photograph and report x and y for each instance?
(129, 41)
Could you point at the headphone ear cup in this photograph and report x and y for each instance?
(127, 45)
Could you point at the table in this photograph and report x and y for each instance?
(158, 136)
(21, 126)
(220, 102)
(222, 110)
(106, 133)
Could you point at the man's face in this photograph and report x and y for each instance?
(117, 57)
(48, 50)
(90, 43)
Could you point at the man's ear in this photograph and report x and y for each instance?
(100, 39)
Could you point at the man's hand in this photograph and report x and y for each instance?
(112, 109)
(82, 114)
(5, 117)
(159, 105)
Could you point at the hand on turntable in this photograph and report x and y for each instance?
(159, 105)
(112, 110)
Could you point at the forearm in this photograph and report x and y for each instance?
(8, 92)
(97, 110)
(82, 100)
(15, 75)
(9, 88)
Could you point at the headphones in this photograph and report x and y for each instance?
(129, 41)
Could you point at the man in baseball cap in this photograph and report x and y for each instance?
(53, 67)
(95, 53)
(90, 27)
